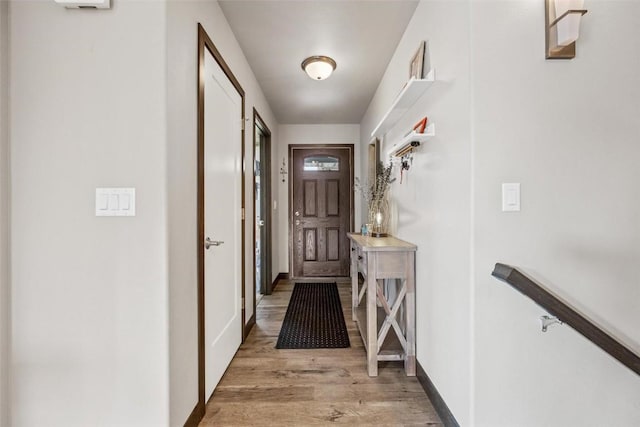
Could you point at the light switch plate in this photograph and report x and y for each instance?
(115, 202)
(511, 197)
(85, 4)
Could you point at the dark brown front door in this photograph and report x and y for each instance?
(321, 209)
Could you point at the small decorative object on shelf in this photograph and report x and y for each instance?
(420, 62)
(415, 67)
(419, 127)
(376, 194)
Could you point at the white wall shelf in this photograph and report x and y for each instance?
(405, 100)
(400, 146)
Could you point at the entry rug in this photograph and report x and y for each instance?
(314, 318)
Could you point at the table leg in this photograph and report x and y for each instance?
(410, 307)
(372, 323)
(355, 301)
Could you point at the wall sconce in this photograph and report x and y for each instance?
(283, 169)
(562, 21)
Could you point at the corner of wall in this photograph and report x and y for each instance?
(4, 221)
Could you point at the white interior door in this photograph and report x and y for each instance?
(222, 214)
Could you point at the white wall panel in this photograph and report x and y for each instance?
(89, 294)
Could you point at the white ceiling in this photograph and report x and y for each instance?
(276, 36)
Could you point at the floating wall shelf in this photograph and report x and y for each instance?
(405, 142)
(405, 100)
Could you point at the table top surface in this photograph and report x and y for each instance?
(389, 243)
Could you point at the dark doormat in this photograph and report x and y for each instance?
(314, 318)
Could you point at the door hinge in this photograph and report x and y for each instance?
(242, 215)
(242, 303)
(242, 123)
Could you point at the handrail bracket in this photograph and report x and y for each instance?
(547, 321)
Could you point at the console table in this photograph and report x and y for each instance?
(384, 337)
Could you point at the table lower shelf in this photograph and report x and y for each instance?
(391, 348)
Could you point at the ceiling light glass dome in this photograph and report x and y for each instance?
(318, 67)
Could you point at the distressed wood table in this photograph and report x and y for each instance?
(386, 318)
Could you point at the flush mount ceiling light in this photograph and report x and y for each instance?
(563, 27)
(318, 67)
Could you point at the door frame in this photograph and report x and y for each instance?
(205, 43)
(291, 147)
(266, 194)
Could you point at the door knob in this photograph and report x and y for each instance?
(261, 223)
(208, 243)
(297, 213)
(297, 222)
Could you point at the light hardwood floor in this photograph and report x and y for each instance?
(264, 386)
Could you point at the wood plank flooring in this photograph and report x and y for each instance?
(264, 386)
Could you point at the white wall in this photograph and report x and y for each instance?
(305, 134)
(89, 294)
(568, 132)
(4, 218)
(182, 42)
(432, 205)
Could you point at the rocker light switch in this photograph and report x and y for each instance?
(125, 202)
(102, 202)
(511, 197)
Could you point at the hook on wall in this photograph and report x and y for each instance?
(283, 169)
(405, 163)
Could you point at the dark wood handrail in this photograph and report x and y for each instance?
(568, 315)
